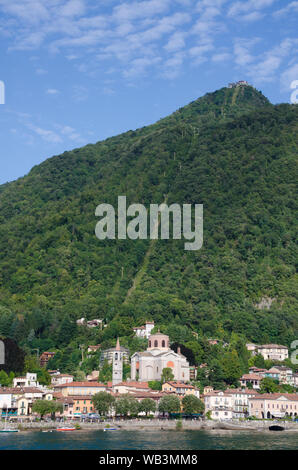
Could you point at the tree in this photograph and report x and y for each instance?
(192, 404)
(155, 385)
(44, 407)
(4, 379)
(259, 361)
(103, 402)
(231, 368)
(169, 404)
(147, 405)
(105, 373)
(127, 405)
(268, 385)
(167, 374)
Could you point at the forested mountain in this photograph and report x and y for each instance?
(230, 150)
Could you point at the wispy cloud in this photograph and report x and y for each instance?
(52, 91)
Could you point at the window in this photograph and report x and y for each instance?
(163, 344)
(149, 344)
(155, 343)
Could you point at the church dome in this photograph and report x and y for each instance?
(158, 341)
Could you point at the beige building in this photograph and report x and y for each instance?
(131, 387)
(148, 365)
(253, 379)
(80, 388)
(275, 352)
(59, 379)
(273, 405)
(180, 388)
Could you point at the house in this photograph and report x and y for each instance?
(275, 352)
(45, 357)
(273, 373)
(285, 374)
(95, 323)
(93, 377)
(91, 323)
(68, 405)
(253, 379)
(180, 388)
(193, 370)
(240, 401)
(131, 387)
(219, 404)
(80, 388)
(273, 405)
(144, 331)
(258, 370)
(213, 341)
(82, 404)
(92, 349)
(30, 380)
(59, 379)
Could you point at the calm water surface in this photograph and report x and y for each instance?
(146, 440)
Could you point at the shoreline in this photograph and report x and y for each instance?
(256, 426)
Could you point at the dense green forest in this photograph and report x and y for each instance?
(230, 150)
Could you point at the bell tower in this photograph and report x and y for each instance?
(117, 365)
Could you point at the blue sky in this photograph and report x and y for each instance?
(78, 71)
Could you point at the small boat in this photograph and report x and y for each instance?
(110, 429)
(65, 429)
(9, 430)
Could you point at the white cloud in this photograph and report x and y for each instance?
(47, 135)
(290, 8)
(240, 7)
(52, 91)
(221, 57)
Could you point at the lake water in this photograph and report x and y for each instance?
(149, 440)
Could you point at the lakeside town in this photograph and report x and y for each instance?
(162, 385)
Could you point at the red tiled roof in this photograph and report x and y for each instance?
(251, 377)
(180, 385)
(274, 396)
(133, 384)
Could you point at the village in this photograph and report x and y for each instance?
(178, 396)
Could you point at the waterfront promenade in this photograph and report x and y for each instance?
(161, 425)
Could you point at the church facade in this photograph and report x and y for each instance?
(148, 365)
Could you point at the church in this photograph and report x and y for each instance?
(148, 365)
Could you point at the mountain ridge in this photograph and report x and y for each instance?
(237, 156)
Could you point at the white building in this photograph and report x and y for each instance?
(144, 331)
(220, 405)
(275, 352)
(29, 381)
(148, 365)
(59, 379)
